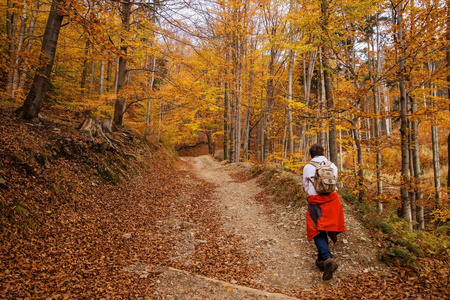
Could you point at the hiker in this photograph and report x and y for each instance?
(324, 217)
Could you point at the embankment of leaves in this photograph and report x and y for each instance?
(46, 166)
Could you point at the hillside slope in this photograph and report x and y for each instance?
(80, 220)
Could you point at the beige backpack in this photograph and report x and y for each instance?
(324, 181)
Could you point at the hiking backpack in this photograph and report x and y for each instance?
(324, 181)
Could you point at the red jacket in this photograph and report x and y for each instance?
(324, 213)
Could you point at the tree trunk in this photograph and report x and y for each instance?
(307, 79)
(108, 76)
(121, 102)
(290, 84)
(85, 68)
(270, 101)
(151, 82)
(91, 78)
(403, 122)
(376, 110)
(11, 31)
(418, 216)
(23, 25)
(211, 143)
(232, 128)
(328, 84)
(411, 183)
(436, 164)
(24, 71)
(225, 122)
(33, 103)
(448, 89)
(261, 128)
(238, 96)
(248, 114)
(102, 78)
(321, 99)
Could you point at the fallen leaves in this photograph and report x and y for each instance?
(71, 239)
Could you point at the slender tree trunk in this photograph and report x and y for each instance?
(403, 122)
(23, 26)
(448, 87)
(248, 115)
(225, 122)
(238, 94)
(11, 31)
(436, 164)
(308, 74)
(307, 78)
(378, 132)
(321, 138)
(290, 84)
(238, 129)
(24, 71)
(359, 159)
(269, 105)
(246, 143)
(85, 68)
(91, 78)
(435, 144)
(101, 87)
(152, 62)
(376, 109)
(33, 103)
(412, 183)
(151, 82)
(108, 76)
(418, 216)
(263, 105)
(232, 129)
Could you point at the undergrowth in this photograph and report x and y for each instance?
(283, 186)
(425, 252)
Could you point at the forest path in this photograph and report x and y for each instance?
(274, 239)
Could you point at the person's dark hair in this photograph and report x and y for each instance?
(316, 150)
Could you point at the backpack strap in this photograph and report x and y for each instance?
(320, 164)
(316, 165)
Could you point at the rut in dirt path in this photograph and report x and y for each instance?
(276, 240)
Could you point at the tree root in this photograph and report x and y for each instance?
(98, 127)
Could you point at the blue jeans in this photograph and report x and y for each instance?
(321, 241)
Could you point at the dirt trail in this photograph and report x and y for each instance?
(275, 239)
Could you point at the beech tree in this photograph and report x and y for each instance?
(33, 103)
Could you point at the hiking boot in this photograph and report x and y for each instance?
(330, 266)
(320, 264)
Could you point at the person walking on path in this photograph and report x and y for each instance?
(325, 216)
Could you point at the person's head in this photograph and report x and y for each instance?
(316, 150)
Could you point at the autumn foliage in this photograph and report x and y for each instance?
(261, 80)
